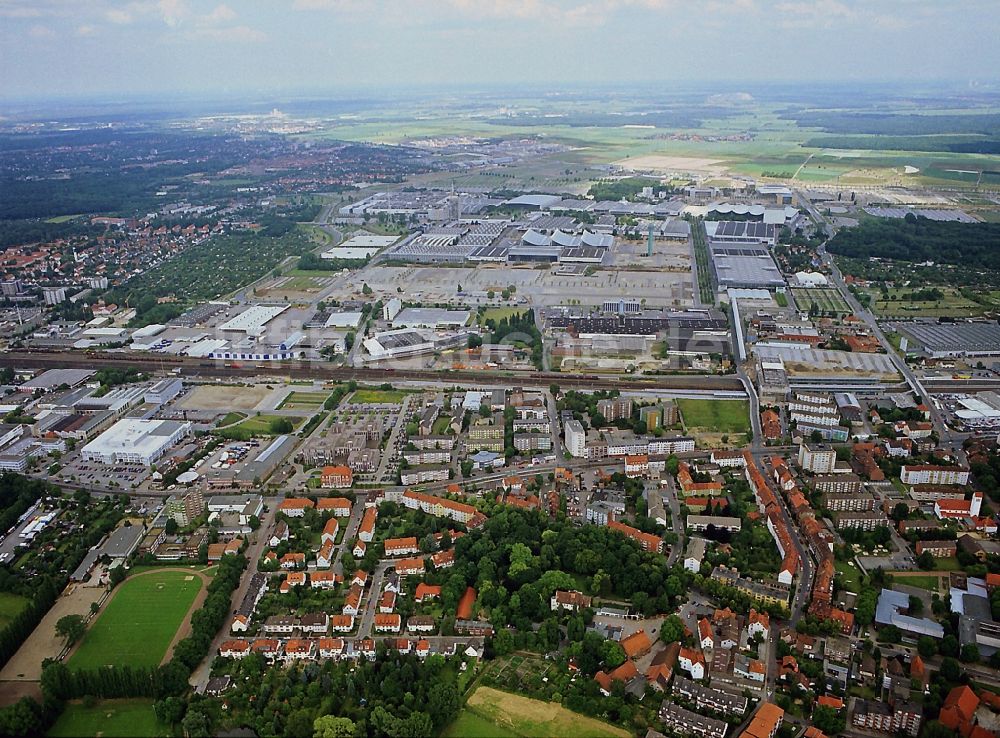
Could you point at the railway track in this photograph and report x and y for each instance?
(190, 367)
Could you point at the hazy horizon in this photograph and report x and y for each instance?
(119, 50)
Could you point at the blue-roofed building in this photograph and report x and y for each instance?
(891, 610)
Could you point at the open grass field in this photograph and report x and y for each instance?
(948, 563)
(10, 606)
(720, 416)
(139, 622)
(849, 575)
(63, 218)
(498, 314)
(468, 724)
(924, 581)
(523, 716)
(827, 300)
(297, 283)
(230, 418)
(379, 396)
(109, 719)
(303, 400)
(258, 425)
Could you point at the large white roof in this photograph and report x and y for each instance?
(253, 318)
(135, 436)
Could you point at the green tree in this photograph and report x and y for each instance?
(900, 512)
(503, 642)
(169, 711)
(970, 653)
(299, 724)
(331, 726)
(71, 628)
(950, 670)
(672, 629)
(828, 720)
(196, 724)
(926, 646)
(171, 527)
(443, 703)
(614, 654)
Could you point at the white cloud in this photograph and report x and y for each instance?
(236, 34)
(118, 16)
(41, 32)
(173, 12)
(221, 14)
(86, 30)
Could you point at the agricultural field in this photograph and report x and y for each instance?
(379, 396)
(526, 717)
(10, 606)
(140, 622)
(898, 302)
(718, 416)
(827, 300)
(109, 719)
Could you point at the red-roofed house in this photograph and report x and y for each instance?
(337, 477)
(426, 592)
(340, 506)
(636, 644)
(295, 507)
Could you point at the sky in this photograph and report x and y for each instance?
(98, 47)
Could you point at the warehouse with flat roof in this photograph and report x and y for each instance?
(942, 340)
(745, 265)
(133, 441)
(252, 320)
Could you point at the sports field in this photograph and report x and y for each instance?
(109, 719)
(140, 621)
(827, 300)
(491, 713)
(10, 606)
(719, 416)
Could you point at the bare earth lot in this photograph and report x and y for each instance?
(224, 398)
(664, 163)
(43, 643)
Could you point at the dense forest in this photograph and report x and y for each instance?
(965, 144)
(914, 239)
(896, 124)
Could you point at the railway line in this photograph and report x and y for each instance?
(191, 367)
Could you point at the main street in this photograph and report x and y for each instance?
(253, 553)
